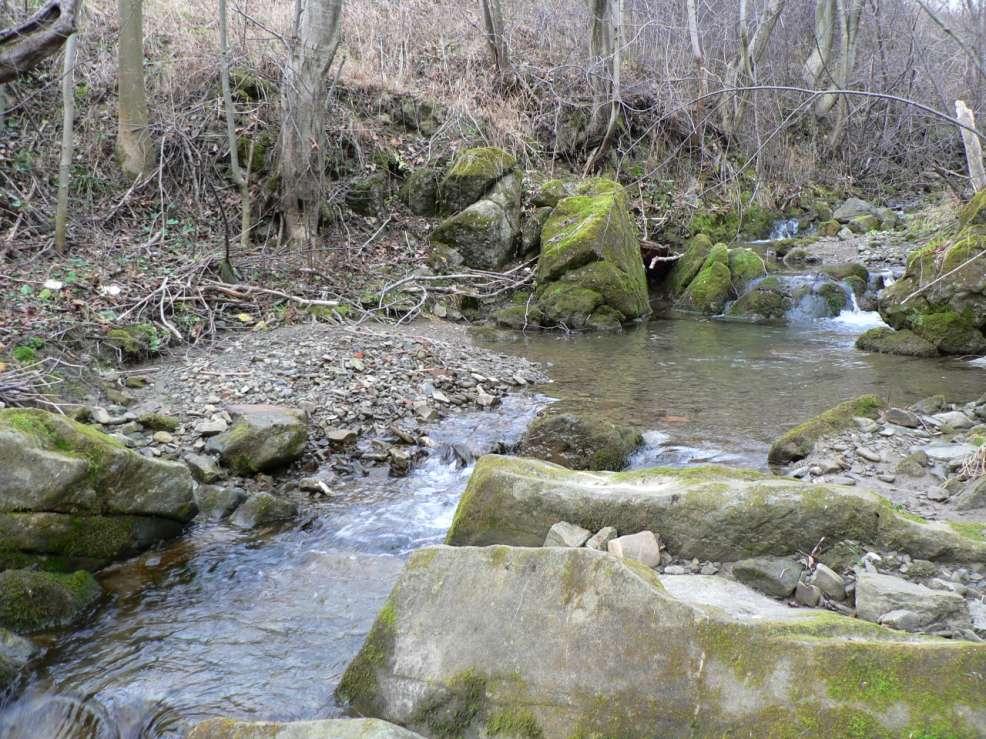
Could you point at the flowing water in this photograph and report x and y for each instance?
(261, 624)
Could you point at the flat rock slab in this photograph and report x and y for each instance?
(573, 642)
(877, 595)
(718, 514)
(354, 728)
(948, 452)
(726, 598)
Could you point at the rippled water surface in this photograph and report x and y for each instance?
(261, 625)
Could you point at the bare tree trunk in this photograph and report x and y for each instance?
(973, 146)
(611, 39)
(28, 43)
(698, 54)
(133, 140)
(849, 19)
(495, 39)
(742, 71)
(68, 140)
(303, 103)
(601, 50)
(236, 172)
(818, 68)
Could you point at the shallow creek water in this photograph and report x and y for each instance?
(261, 624)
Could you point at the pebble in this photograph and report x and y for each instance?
(163, 437)
(868, 454)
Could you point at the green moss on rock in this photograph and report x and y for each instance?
(690, 264)
(951, 332)
(798, 442)
(137, 341)
(33, 601)
(745, 265)
(580, 442)
(709, 292)
(471, 175)
(904, 342)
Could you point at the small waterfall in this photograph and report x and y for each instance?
(852, 317)
(785, 228)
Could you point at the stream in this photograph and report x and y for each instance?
(260, 625)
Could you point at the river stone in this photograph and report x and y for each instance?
(644, 547)
(706, 513)
(878, 595)
(807, 595)
(349, 728)
(580, 442)
(798, 443)
(564, 534)
(948, 452)
(263, 438)
(852, 208)
(15, 653)
(53, 464)
(64, 541)
(692, 656)
(901, 417)
(828, 581)
(32, 601)
(973, 497)
(956, 420)
(904, 342)
(601, 539)
(215, 502)
(263, 509)
(204, 468)
(776, 576)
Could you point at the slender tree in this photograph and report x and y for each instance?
(303, 109)
(741, 71)
(495, 39)
(607, 53)
(134, 147)
(68, 140)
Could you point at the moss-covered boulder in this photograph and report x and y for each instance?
(745, 266)
(366, 195)
(420, 191)
(765, 301)
(590, 273)
(864, 223)
(845, 271)
(484, 235)
(263, 438)
(712, 287)
(51, 463)
(136, 341)
(580, 442)
(942, 294)
(34, 601)
(344, 728)
(560, 642)
(696, 251)
(906, 343)
(700, 512)
(726, 222)
(798, 442)
(470, 177)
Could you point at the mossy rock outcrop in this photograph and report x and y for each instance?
(484, 235)
(766, 301)
(906, 343)
(580, 442)
(482, 642)
(71, 496)
(726, 223)
(797, 443)
(724, 274)
(700, 512)
(342, 728)
(470, 177)
(34, 601)
(366, 194)
(590, 273)
(942, 294)
(136, 341)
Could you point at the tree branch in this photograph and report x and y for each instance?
(29, 43)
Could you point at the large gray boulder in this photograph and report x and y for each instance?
(484, 235)
(878, 595)
(352, 728)
(263, 438)
(470, 177)
(718, 514)
(71, 496)
(558, 643)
